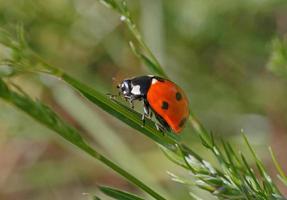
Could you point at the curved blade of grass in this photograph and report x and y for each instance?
(267, 181)
(93, 123)
(110, 105)
(282, 175)
(144, 53)
(149, 58)
(96, 198)
(122, 112)
(118, 194)
(154, 67)
(47, 117)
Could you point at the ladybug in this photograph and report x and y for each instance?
(160, 96)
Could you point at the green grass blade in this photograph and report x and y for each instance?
(133, 119)
(115, 108)
(96, 198)
(174, 157)
(149, 58)
(153, 67)
(122, 112)
(93, 123)
(251, 173)
(267, 182)
(151, 61)
(47, 117)
(118, 194)
(282, 175)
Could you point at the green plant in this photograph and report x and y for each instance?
(234, 179)
(278, 59)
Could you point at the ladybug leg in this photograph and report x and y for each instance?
(131, 101)
(159, 127)
(146, 109)
(150, 115)
(146, 112)
(162, 124)
(143, 120)
(112, 96)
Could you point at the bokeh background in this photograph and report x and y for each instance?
(217, 51)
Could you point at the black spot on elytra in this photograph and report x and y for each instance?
(178, 96)
(164, 105)
(182, 122)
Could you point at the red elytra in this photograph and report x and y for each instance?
(170, 102)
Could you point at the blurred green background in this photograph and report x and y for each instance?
(217, 51)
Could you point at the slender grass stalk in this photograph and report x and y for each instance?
(279, 58)
(234, 179)
(92, 122)
(277, 64)
(142, 50)
(149, 59)
(31, 62)
(47, 117)
(282, 176)
(118, 194)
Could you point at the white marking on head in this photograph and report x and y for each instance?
(154, 81)
(136, 90)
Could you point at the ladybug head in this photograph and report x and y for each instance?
(125, 87)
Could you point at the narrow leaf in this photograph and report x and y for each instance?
(283, 176)
(119, 194)
(122, 112)
(47, 117)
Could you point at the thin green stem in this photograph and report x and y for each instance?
(47, 117)
(122, 172)
(278, 167)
